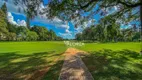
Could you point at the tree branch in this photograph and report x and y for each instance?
(130, 5)
(84, 6)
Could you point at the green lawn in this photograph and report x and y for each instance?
(31, 47)
(134, 46)
(43, 60)
(113, 61)
(31, 60)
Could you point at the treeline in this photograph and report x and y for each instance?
(10, 32)
(110, 33)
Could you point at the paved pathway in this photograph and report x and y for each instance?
(73, 67)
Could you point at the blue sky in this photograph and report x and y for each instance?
(63, 29)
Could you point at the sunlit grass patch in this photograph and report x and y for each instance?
(134, 46)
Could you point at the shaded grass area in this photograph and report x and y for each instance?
(114, 65)
(31, 60)
(134, 46)
(15, 66)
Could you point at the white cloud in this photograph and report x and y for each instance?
(115, 8)
(58, 23)
(42, 6)
(67, 31)
(11, 19)
(21, 22)
(55, 21)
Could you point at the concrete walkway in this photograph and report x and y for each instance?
(73, 67)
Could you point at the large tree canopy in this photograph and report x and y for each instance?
(73, 10)
(123, 11)
(111, 11)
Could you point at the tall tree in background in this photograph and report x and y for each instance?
(3, 22)
(41, 31)
(3, 25)
(52, 35)
(4, 8)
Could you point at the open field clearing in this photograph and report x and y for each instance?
(44, 60)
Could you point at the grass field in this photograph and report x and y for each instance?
(31, 60)
(113, 61)
(43, 60)
(134, 46)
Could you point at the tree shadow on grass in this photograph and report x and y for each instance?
(54, 72)
(114, 65)
(14, 66)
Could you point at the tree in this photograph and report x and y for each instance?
(136, 36)
(11, 27)
(73, 9)
(21, 33)
(3, 25)
(52, 35)
(31, 36)
(78, 36)
(101, 33)
(41, 31)
(11, 36)
(4, 8)
(59, 38)
(3, 33)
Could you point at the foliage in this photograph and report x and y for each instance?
(11, 36)
(52, 35)
(41, 31)
(109, 33)
(4, 8)
(31, 36)
(73, 9)
(3, 25)
(11, 27)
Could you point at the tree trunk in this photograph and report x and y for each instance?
(141, 25)
(28, 22)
